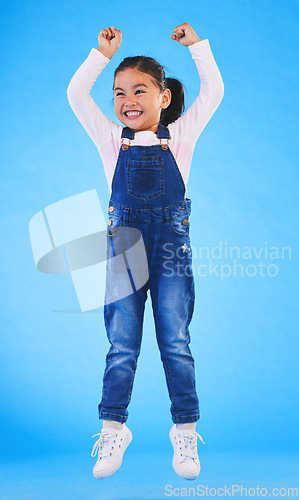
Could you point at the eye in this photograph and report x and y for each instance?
(142, 91)
(119, 93)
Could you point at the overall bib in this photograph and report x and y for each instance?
(148, 194)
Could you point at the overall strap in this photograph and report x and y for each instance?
(128, 135)
(163, 135)
(162, 132)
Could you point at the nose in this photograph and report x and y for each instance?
(130, 100)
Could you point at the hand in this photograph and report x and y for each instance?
(185, 35)
(109, 41)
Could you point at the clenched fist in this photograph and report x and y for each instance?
(185, 35)
(109, 41)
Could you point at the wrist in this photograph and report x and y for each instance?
(197, 39)
(105, 53)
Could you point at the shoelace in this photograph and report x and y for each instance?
(103, 444)
(188, 439)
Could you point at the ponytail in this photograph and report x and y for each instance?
(177, 104)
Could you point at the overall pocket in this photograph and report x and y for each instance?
(180, 225)
(146, 177)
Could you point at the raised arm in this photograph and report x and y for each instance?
(98, 126)
(211, 91)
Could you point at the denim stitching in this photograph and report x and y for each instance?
(185, 420)
(168, 151)
(103, 415)
(173, 207)
(155, 195)
(115, 219)
(185, 231)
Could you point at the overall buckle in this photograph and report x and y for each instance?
(125, 143)
(164, 144)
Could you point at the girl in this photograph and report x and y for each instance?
(147, 164)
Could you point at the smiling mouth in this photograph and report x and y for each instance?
(132, 114)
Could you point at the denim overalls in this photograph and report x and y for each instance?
(148, 194)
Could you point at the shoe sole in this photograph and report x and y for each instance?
(127, 441)
(174, 461)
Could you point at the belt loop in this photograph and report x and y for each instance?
(167, 213)
(188, 202)
(126, 215)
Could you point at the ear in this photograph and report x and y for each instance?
(166, 98)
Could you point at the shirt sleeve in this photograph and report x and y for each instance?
(190, 125)
(98, 126)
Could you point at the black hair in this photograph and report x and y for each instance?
(150, 66)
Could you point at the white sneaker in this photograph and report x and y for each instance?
(185, 458)
(111, 445)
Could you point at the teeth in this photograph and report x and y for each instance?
(133, 113)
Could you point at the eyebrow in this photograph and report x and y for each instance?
(134, 86)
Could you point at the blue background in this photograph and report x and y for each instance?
(243, 185)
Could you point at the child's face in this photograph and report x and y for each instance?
(138, 101)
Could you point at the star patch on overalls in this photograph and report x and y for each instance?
(185, 248)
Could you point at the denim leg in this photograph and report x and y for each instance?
(124, 323)
(172, 294)
(123, 320)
